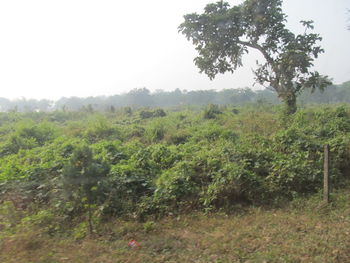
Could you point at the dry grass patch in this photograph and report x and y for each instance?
(303, 232)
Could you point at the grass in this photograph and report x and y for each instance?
(303, 231)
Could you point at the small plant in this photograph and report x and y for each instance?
(148, 226)
(83, 180)
(8, 215)
(80, 231)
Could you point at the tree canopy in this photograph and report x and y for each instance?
(223, 34)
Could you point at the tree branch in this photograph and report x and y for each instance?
(258, 47)
(273, 82)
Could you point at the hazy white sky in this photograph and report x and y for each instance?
(54, 48)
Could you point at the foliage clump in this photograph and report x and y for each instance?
(101, 166)
(145, 114)
(211, 111)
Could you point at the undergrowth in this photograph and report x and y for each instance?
(304, 230)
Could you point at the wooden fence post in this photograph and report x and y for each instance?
(326, 175)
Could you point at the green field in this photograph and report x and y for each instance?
(212, 184)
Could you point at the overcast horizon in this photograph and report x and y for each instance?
(53, 49)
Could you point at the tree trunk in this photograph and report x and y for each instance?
(290, 103)
(91, 230)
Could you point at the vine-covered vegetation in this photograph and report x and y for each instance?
(151, 162)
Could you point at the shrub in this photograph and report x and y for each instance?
(212, 111)
(83, 180)
(159, 113)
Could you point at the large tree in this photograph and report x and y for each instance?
(223, 34)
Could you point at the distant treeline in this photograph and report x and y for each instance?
(142, 97)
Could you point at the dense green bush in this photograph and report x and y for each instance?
(211, 111)
(145, 114)
(127, 165)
